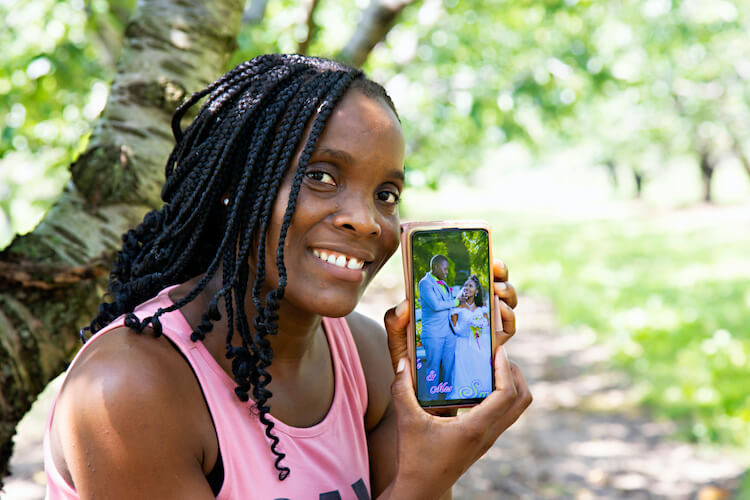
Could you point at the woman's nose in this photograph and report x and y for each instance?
(357, 214)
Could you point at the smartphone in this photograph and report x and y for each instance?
(450, 339)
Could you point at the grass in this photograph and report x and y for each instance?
(670, 292)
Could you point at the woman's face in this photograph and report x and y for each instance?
(470, 289)
(346, 223)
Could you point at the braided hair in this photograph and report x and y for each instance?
(241, 142)
(478, 299)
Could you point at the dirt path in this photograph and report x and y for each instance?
(582, 438)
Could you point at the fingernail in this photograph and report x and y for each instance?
(505, 353)
(401, 364)
(502, 285)
(400, 308)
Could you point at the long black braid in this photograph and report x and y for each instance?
(241, 142)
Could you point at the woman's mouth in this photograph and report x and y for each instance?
(338, 259)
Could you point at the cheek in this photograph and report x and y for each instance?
(391, 233)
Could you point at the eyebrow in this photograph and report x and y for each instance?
(336, 153)
(344, 156)
(397, 174)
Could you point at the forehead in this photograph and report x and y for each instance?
(366, 128)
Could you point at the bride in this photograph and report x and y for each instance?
(470, 320)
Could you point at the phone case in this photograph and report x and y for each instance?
(407, 229)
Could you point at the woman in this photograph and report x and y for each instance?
(280, 207)
(470, 321)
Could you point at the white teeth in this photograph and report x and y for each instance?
(339, 260)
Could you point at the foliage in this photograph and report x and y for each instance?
(650, 84)
(424, 248)
(476, 243)
(57, 59)
(469, 77)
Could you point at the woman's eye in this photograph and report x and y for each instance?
(323, 177)
(388, 197)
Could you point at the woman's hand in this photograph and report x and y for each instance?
(434, 451)
(505, 300)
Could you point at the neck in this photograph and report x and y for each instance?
(297, 330)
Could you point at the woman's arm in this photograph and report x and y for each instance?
(125, 426)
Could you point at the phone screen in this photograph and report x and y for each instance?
(452, 316)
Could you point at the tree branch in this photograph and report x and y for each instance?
(377, 20)
(311, 27)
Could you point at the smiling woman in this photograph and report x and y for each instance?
(280, 205)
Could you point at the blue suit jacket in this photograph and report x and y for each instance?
(436, 308)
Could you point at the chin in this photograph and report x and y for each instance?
(330, 303)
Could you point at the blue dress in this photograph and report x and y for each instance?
(473, 354)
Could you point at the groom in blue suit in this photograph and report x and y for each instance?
(437, 337)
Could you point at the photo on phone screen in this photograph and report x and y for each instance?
(452, 316)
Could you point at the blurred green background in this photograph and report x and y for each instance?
(606, 142)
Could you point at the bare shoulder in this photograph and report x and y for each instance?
(129, 406)
(122, 367)
(372, 346)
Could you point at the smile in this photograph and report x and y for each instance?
(338, 259)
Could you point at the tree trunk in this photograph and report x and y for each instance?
(310, 24)
(52, 279)
(638, 176)
(377, 20)
(707, 166)
(612, 171)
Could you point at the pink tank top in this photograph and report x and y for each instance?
(328, 460)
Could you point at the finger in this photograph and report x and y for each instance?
(502, 398)
(508, 317)
(522, 401)
(396, 323)
(499, 270)
(402, 390)
(506, 292)
(501, 336)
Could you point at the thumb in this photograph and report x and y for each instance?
(396, 322)
(397, 318)
(402, 389)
